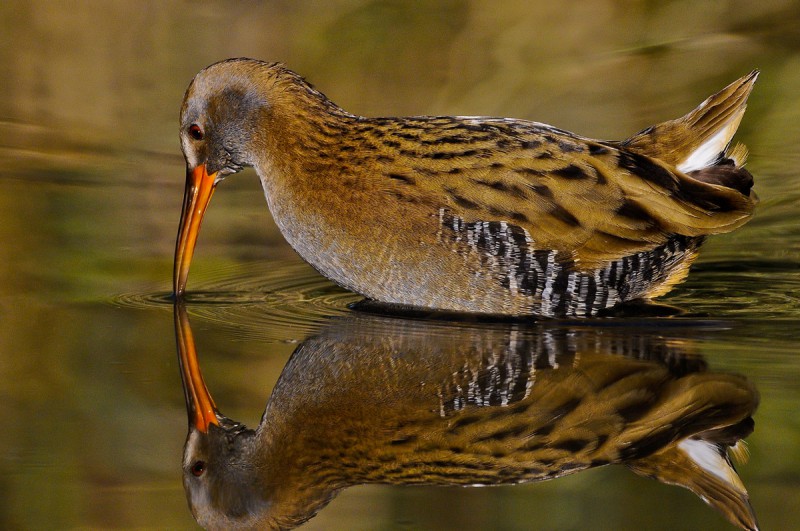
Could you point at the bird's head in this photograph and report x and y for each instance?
(239, 113)
(220, 117)
(220, 114)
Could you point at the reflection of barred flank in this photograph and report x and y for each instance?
(554, 286)
(501, 380)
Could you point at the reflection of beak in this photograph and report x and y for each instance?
(199, 404)
(199, 189)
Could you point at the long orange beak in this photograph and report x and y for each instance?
(199, 404)
(199, 189)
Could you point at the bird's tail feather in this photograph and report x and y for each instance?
(720, 408)
(699, 139)
(704, 468)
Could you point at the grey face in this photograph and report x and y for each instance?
(221, 484)
(219, 117)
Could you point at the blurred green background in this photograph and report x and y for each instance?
(92, 180)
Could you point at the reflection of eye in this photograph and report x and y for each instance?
(198, 468)
(195, 132)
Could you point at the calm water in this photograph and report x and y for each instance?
(92, 182)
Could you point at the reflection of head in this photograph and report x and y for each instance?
(219, 479)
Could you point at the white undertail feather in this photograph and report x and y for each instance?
(700, 138)
(702, 467)
(707, 153)
(707, 456)
(725, 116)
(701, 462)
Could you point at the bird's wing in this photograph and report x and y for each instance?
(591, 201)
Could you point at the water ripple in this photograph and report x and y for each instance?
(756, 290)
(287, 300)
(267, 300)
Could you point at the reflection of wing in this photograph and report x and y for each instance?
(598, 409)
(507, 375)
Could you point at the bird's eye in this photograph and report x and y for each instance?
(195, 132)
(198, 468)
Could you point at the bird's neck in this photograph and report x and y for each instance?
(295, 487)
(311, 167)
(298, 123)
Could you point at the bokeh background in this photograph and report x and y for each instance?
(91, 181)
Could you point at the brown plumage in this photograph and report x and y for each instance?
(409, 402)
(476, 214)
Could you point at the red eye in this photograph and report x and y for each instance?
(198, 468)
(195, 132)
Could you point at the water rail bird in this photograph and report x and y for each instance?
(470, 214)
(408, 402)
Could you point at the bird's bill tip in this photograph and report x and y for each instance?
(203, 417)
(196, 197)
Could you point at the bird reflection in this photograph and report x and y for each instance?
(373, 399)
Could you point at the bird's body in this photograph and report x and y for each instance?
(474, 214)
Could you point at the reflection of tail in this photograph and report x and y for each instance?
(720, 410)
(703, 468)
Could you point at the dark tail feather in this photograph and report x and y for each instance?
(727, 175)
